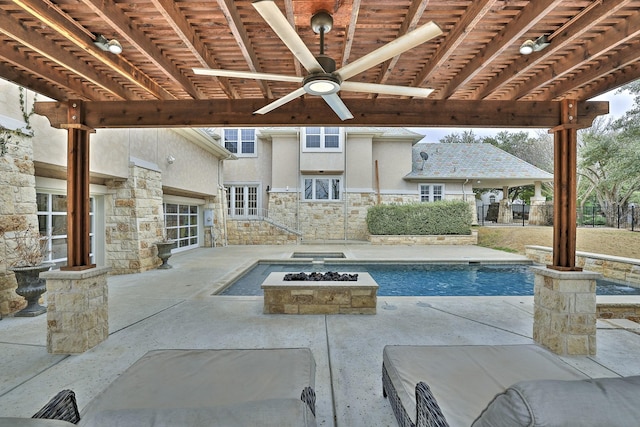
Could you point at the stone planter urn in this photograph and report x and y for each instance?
(31, 287)
(164, 253)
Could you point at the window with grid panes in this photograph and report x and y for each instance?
(181, 222)
(322, 188)
(431, 192)
(242, 200)
(52, 222)
(240, 141)
(322, 138)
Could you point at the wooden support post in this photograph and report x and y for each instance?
(565, 188)
(78, 220)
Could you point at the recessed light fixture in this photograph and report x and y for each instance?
(112, 46)
(530, 46)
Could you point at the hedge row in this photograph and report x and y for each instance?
(444, 217)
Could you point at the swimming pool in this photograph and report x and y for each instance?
(422, 279)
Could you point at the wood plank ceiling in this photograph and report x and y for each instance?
(47, 46)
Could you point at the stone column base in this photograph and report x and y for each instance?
(564, 318)
(77, 311)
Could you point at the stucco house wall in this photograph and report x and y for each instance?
(133, 173)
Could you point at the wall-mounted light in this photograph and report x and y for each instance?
(112, 46)
(170, 159)
(530, 46)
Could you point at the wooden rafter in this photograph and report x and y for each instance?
(192, 42)
(350, 32)
(51, 16)
(49, 82)
(607, 42)
(109, 13)
(574, 31)
(288, 8)
(230, 12)
(528, 17)
(54, 53)
(625, 67)
(469, 21)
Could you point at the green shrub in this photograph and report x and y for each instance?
(444, 217)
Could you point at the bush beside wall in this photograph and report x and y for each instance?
(438, 218)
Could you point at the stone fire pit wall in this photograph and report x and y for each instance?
(319, 297)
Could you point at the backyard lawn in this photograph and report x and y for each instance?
(608, 241)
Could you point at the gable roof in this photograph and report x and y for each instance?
(485, 165)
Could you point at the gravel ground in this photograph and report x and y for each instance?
(607, 241)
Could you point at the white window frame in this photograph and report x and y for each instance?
(323, 139)
(61, 239)
(187, 220)
(430, 195)
(240, 146)
(250, 200)
(331, 198)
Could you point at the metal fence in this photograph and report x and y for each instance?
(588, 216)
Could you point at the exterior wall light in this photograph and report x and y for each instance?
(112, 46)
(530, 46)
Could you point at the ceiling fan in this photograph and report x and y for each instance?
(323, 78)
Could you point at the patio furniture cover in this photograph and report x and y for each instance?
(208, 387)
(464, 379)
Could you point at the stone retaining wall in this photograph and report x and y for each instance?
(471, 239)
(611, 267)
(257, 232)
(322, 297)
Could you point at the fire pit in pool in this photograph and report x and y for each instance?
(325, 293)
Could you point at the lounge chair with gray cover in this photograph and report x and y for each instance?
(266, 387)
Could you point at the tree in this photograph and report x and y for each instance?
(609, 163)
(466, 137)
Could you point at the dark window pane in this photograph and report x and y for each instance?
(58, 203)
(42, 200)
(322, 189)
(308, 189)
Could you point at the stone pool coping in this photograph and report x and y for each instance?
(319, 297)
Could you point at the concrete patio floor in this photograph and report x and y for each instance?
(177, 309)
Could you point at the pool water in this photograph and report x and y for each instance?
(423, 279)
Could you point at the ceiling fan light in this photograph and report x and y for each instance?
(321, 85)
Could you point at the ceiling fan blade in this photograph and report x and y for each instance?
(408, 41)
(246, 75)
(278, 22)
(338, 106)
(277, 103)
(385, 89)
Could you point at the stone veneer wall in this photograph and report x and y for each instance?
(471, 239)
(134, 221)
(326, 220)
(18, 212)
(257, 232)
(612, 267)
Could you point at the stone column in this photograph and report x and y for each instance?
(505, 216)
(564, 318)
(134, 219)
(77, 309)
(538, 211)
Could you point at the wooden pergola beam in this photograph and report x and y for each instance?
(314, 111)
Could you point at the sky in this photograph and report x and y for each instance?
(619, 103)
